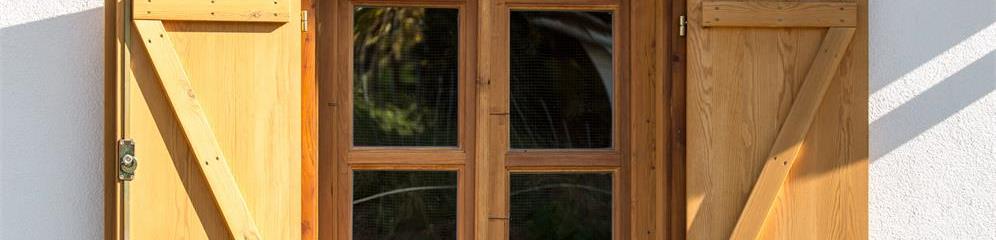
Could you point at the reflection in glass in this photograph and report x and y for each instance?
(561, 206)
(392, 205)
(561, 79)
(405, 76)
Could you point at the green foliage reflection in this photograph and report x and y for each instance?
(405, 76)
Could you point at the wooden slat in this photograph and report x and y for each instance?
(643, 169)
(196, 127)
(564, 158)
(785, 150)
(309, 128)
(407, 157)
(779, 14)
(213, 10)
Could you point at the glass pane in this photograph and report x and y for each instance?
(405, 76)
(404, 205)
(561, 79)
(561, 206)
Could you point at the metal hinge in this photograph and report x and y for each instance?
(304, 20)
(682, 25)
(127, 163)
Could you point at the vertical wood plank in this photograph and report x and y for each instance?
(325, 32)
(482, 170)
(741, 85)
(196, 127)
(643, 165)
(785, 150)
(671, 121)
(309, 127)
(114, 51)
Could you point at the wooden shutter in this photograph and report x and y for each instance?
(210, 92)
(777, 120)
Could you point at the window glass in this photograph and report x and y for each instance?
(561, 206)
(404, 205)
(405, 62)
(561, 79)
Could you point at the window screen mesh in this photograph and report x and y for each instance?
(405, 76)
(561, 79)
(404, 205)
(561, 206)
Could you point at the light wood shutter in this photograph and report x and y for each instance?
(777, 120)
(210, 91)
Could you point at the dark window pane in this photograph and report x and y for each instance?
(404, 205)
(561, 206)
(405, 76)
(561, 79)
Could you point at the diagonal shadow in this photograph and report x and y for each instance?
(933, 106)
(194, 182)
(906, 34)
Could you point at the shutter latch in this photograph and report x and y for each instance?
(304, 20)
(682, 25)
(127, 163)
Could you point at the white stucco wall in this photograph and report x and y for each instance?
(51, 119)
(932, 119)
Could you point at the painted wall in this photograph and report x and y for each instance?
(932, 118)
(51, 123)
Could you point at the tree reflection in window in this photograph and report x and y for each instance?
(561, 79)
(405, 62)
(396, 205)
(569, 206)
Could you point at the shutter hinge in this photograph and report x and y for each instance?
(127, 163)
(682, 25)
(304, 20)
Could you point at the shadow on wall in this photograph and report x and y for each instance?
(925, 69)
(51, 127)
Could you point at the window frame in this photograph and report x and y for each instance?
(480, 112)
(349, 158)
(614, 160)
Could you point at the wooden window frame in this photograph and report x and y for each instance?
(348, 158)
(615, 159)
(667, 74)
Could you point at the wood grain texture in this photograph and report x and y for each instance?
(114, 80)
(215, 10)
(247, 80)
(785, 150)
(197, 129)
(309, 127)
(741, 85)
(485, 84)
(779, 14)
(563, 158)
(671, 119)
(644, 166)
(326, 32)
(335, 74)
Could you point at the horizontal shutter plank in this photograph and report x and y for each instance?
(779, 14)
(197, 129)
(212, 10)
(785, 150)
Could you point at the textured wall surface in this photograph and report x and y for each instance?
(51, 123)
(933, 119)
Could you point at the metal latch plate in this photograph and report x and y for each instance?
(127, 163)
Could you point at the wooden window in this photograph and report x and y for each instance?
(561, 79)
(405, 72)
(492, 113)
(404, 205)
(402, 121)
